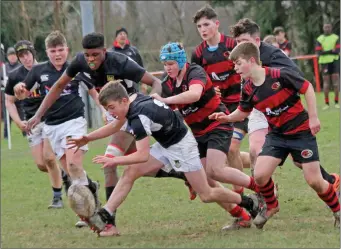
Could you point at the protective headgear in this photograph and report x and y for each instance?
(174, 51)
(24, 45)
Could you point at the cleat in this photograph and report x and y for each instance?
(100, 219)
(238, 224)
(337, 106)
(337, 219)
(56, 203)
(336, 184)
(326, 107)
(192, 193)
(264, 215)
(81, 223)
(109, 230)
(257, 205)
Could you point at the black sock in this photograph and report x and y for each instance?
(108, 191)
(326, 176)
(172, 173)
(57, 192)
(65, 177)
(92, 186)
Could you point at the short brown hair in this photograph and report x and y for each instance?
(112, 91)
(277, 30)
(244, 26)
(54, 39)
(270, 39)
(245, 50)
(206, 11)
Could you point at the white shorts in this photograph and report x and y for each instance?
(37, 135)
(58, 134)
(183, 156)
(124, 127)
(257, 121)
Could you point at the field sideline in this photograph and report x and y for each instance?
(158, 212)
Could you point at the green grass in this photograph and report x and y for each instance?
(158, 213)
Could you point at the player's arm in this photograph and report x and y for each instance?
(235, 116)
(192, 95)
(310, 99)
(152, 81)
(22, 89)
(13, 111)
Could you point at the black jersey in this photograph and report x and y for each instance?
(279, 100)
(69, 105)
(196, 114)
(30, 104)
(116, 66)
(150, 117)
(271, 56)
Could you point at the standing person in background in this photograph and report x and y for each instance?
(11, 64)
(282, 41)
(122, 45)
(328, 50)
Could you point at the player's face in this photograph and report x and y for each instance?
(58, 55)
(118, 109)
(94, 57)
(248, 38)
(280, 36)
(243, 67)
(26, 58)
(122, 37)
(171, 68)
(12, 58)
(327, 29)
(207, 28)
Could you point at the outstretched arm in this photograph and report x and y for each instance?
(235, 116)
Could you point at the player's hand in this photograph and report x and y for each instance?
(314, 125)
(77, 142)
(158, 97)
(20, 91)
(22, 125)
(219, 116)
(106, 161)
(32, 123)
(217, 91)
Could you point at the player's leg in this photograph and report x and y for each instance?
(305, 151)
(336, 81)
(54, 174)
(274, 153)
(326, 85)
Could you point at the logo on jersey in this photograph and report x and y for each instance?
(222, 77)
(177, 164)
(275, 86)
(226, 55)
(87, 75)
(110, 77)
(275, 112)
(44, 77)
(307, 153)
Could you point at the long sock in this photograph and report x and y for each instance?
(57, 193)
(336, 99)
(172, 173)
(239, 191)
(252, 185)
(238, 212)
(108, 191)
(112, 220)
(326, 176)
(268, 192)
(326, 100)
(330, 198)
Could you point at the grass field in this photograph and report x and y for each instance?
(158, 212)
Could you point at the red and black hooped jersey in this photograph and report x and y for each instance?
(220, 68)
(196, 114)
(279, 99)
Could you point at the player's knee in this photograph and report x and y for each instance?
(206, 197)
(211, 172)
(42, 167)
(234, 151)
(260, 179)
(130, 174)
(50, 162)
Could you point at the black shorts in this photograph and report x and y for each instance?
(218, 139)
(331, 68)
(242, 125)
(303, 149)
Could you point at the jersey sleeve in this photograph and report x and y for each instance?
(141, 127)
(245, 103)
(197, 75)
(74, 67)
(294, 80)
(85, 79)
(195, 59)
(336, 49)
(132, 71)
